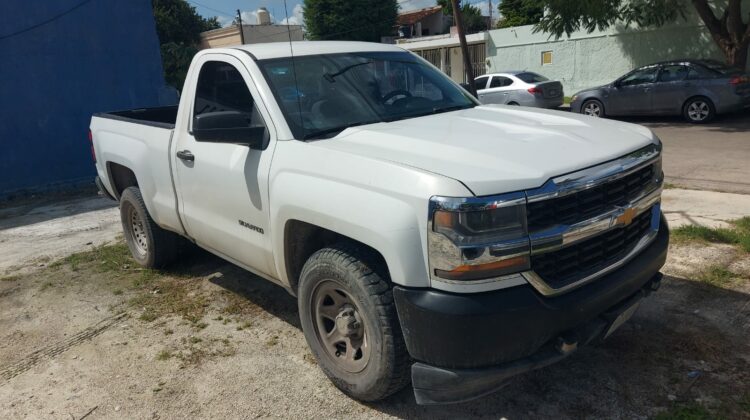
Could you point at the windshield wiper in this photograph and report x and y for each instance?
(321, 133)
(331, 76)
(431, 112)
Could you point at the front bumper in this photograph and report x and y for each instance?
(468, 345)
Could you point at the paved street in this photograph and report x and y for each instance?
(714, 156)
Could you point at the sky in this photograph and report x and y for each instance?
(226, 10)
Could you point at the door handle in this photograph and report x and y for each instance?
(186, 155)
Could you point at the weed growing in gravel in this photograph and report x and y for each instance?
(738, 234)
(692, 411)
(164, 355)
(717, 276)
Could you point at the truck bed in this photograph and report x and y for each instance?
(163, 117)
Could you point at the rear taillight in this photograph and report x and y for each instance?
(91, 143)
(534, 90)
(738, 80)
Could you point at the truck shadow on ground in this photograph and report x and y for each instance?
(687, 341)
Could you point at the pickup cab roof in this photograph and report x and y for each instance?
(301, 48)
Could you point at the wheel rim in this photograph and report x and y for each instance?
(593, 109)
(137, 231)
(698, 110)
(340, 327)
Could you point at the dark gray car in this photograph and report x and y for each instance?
(696, 89)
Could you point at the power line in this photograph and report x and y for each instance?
(50, 20)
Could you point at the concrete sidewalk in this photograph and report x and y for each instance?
(704, 208)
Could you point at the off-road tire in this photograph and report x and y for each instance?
(364, 276)
(161, 246)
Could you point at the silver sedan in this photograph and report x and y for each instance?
(519, 88)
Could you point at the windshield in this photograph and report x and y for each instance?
(331, 92)
(530, 77)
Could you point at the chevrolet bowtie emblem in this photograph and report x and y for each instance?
(626, 217)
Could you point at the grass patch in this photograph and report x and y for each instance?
(164, 355)
(9, 278)
(691, 411)
(117, 292)
(567, 99)
(669, 186)
(716, 276)
(738, 234)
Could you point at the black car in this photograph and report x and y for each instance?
(696, 89)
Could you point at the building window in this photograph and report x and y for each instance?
(546, 57)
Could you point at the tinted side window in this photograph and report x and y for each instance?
(641, 76)
(500, 81)
(673, 73)
(480, 83)
(221, 89)
(700, 72)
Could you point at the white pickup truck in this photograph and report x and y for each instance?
(428, 239)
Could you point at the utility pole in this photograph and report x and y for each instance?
(489, 22)
(464, 48)
(242, 32)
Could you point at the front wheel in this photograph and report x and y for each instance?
(699, 110)
(350, 323)
(593, 108)
(150, 245)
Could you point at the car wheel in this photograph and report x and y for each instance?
(350, 323)
(593, 108)
(699, 110)
(150, 245)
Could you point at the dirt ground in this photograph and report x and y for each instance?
(94, 335)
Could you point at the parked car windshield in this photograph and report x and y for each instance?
(329, 93)
(530, 77)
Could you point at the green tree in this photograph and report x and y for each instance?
(724, 20)
(357, 20)
(178, 26)
(472, 17)
(519, 13)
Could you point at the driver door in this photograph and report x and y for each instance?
(633, 94)
(223, 186)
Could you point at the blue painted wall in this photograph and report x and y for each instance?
(60, 62)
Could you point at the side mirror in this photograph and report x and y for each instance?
(230, 127)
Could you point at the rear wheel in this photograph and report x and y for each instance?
(593, 108)
(150, 245)
(699, 110)
(349, 320)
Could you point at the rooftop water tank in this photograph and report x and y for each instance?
(264, 18)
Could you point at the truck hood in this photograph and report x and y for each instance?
(495, 149)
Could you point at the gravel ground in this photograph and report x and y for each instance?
(92, 333)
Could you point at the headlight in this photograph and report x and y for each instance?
(478, 239)
(573, 99)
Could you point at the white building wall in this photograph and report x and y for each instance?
(586, 60)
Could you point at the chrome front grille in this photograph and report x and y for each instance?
(576, 207)
(584, 224)
(572, 263)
